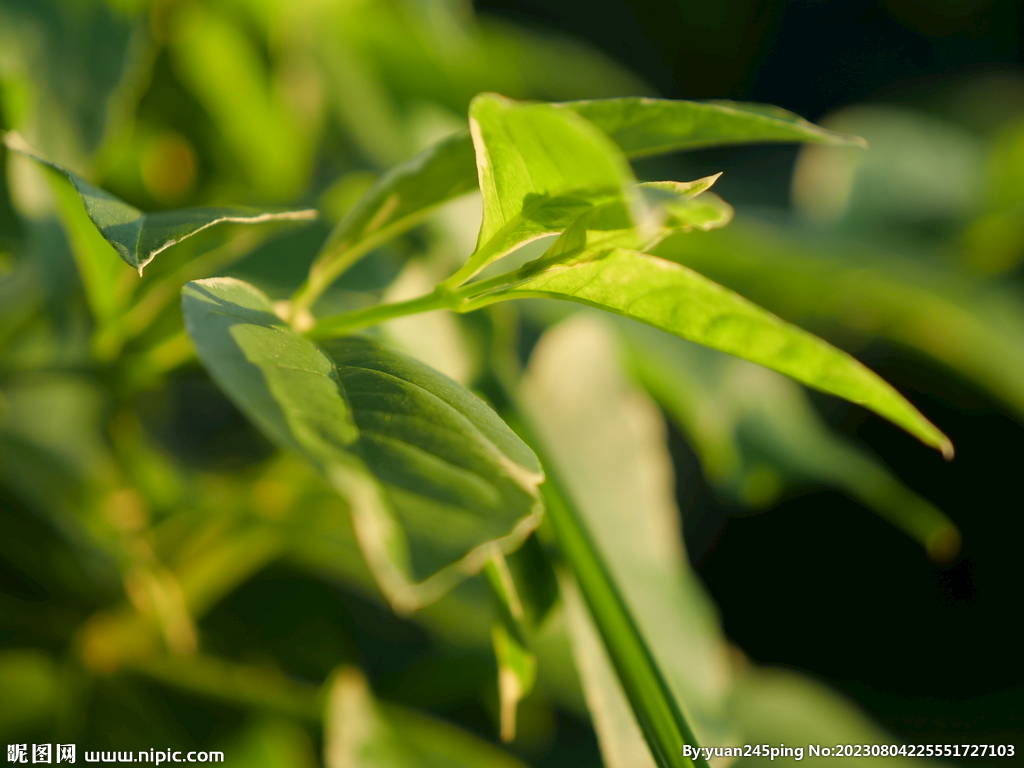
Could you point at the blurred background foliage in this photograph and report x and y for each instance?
(169, 580)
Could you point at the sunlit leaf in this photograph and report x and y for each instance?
(138, 237)
(511, 137)
(540, 168)
(435, 480)
(678, 300)
(360, 731)
(643, 126)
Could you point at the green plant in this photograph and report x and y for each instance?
(440, 484)
(170, 577)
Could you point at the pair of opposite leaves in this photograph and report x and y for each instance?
(434, 478)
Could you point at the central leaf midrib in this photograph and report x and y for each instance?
(458, 469)
(435, 427)
(486, 441)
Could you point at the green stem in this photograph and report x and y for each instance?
(337, 325)
(339, 254)
(474, 264)
(325, 270)
(661, 721)
(457, 301)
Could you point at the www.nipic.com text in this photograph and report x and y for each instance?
(65, 753)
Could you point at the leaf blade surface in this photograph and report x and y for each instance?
(539, 169)
(643, 126)
(683, 302)
(434, 479)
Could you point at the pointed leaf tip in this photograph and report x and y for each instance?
(644, 126)
(948, 452)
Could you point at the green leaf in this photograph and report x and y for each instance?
(400, 199)
(107, 284)
(517, 672)
(540, 168)
(359, 731)
(643, 127)
(639, 126)
(686, 205)
(668, 207)
(138, 237)
(435, 480)
(756, 431)
(678, 300)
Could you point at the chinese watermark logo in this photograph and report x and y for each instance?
(41, 753)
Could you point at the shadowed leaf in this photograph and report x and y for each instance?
(434, 479)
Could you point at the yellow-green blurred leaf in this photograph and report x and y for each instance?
(363, 733)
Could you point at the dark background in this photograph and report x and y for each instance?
(817, 582)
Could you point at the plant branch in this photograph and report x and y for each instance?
(457, 301)
(337, 325)
(325, 270)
